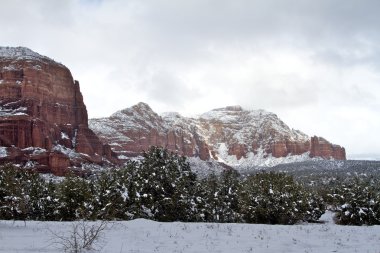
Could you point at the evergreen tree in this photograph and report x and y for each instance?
(13, 198)
(41, 198)
(220, 195)
(163, 185)
(212, 205)
(274, 198)
(357, 203)
(45, 201)
(75, 199)
(229, 193)
(109, 195)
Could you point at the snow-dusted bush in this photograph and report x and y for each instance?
(218, 197)
(24, 195)
(75, 199)
(161, 186)
(109, 195)
(12, 200)
(357, 203)
(275, 198)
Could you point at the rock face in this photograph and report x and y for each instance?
(131, 131)
(231, 135)
(322, 148)
(42, 115)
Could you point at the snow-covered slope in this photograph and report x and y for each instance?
(231, 135)
(22, 53)
(246, 137)
(146, 236)
(245, 125)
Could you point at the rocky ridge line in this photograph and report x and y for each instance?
(230, 135)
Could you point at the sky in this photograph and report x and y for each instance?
(314, 63)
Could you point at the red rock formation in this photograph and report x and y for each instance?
(223, 132)
(319, 147)
(135, 129)
(284, 148)
(238, 149)
(42, 106)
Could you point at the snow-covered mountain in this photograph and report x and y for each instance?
(231, 135)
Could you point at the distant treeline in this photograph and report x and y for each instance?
(162, 187)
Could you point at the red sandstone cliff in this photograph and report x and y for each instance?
(42, 115)
(231, 135)
(133, 130)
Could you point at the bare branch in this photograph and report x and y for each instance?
(84, 235)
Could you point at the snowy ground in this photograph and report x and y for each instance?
(148, 236)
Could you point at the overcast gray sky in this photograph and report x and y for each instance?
(314, 63)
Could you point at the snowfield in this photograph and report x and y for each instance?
(148, 236)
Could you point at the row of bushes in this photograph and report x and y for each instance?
(162, 187)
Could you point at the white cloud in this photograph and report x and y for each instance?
(314, 63)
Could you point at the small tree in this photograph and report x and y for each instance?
(109, 195)
(230, 189)
(221, 197)
(75, 199)
(163, 186)
(84, 236)
(275, 198)
(357, 203)
(14, 199)
(210, 194)
(46, 202)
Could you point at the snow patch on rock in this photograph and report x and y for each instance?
(23, 53)
(4, 111)
(67, 151)
(260, 159)
(64, 136)
(35, 150)
(3, 152)
(204, 168)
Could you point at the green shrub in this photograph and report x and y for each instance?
(357, 203)
(24, 194)
(275, 198)
(218, 197)
(75, 199)
(162, 186)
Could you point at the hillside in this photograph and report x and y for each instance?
(231, 135)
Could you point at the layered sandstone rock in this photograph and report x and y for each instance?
(229, 134)
(131, 131)
(41, 108)
(322, 148)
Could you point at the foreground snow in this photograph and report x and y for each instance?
(148, 236)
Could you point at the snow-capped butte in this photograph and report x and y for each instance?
(41, 106)
(232, 135)
(23, 53)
